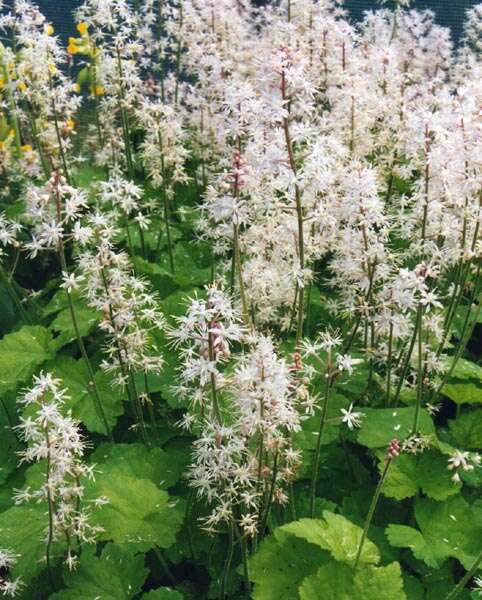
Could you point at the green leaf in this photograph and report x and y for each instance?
(176, 303)
(461, 315)
(402, 536)
(413, 587)
(75, 377)
(163, 593)
(308, 436)
(466, 369)
(467, 429)
(86, 319)
(463, 391)
(190, 268)
(151, 235)
(22, 530)
(336, 534)
(8, 441)
(427, 472)
(88, 173)
(381, 425)
(282, 562)
(401, 479)
(433, 476)
(21, 353)
(452, 528)
(354, 384)
(160, 278)
(165, 381)
(136, 460)
(336, 581)
(138, 514)
(115, 575)
(465, 383)
(8, 310)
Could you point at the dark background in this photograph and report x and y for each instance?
(449, 13)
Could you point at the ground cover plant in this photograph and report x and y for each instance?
(240, 303)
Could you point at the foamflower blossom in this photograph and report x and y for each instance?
(52, 435)
(353, 419)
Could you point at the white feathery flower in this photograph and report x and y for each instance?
(353, 419)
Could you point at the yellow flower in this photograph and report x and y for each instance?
(52, 69)
(2, 81)
(77, 88)
(99, 90)
(49, 29)
(22, 86)
(70, 124)
(27, 148)
(72, 48)
(82, 28)
(2, 145)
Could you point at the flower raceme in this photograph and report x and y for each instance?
(52, 437)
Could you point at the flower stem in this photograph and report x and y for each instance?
(165, 566)
(465, 579)
(50, 535)
(238, 268)
(371, 510)
(92, 385)
(420, 372)
(227, 564)
(316, 464)
(270, 495)
(216, 412)
(299, 216)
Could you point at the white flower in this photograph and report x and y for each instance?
(460, 459)
(351, 418)
(70, 282)
(11, 587)
(143, 221)
(346, 362)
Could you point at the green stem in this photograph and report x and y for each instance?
(14, 296)
(37, 143)
(270, 495)
(420, 371)
(371, 510)
(92, 385)
(389, 363)
(408, 356)
(316, 464)
(227, 564)
(124, 117)
(50, 535)
(238, 266)
(216, 411)
(299, 216)
(465, 335)
(244, 555)
(178, 54)
(465, 579)
(165, 566)
(57, 132)
(165, 207)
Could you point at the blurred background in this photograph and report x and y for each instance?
(449, 13)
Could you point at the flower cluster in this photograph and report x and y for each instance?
(8, 587)
(52, 437)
